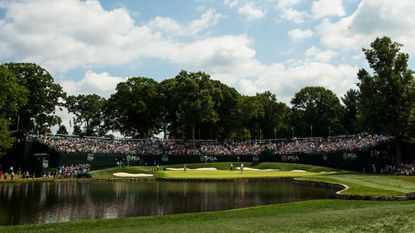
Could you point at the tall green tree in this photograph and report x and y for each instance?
(135, 108)
(190, 102)
(62, 130)
(262, 116)
(6, 139)
(77, 130)
(44, 96)
(13, 96)
(88, 110)
(351, 107)
(250, 111)
(316, 111)
(226, 101)
(275, 118)
(170, 122)
(387, 102)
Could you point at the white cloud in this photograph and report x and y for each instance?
(70, 34)
(167, 25)
(73, 34)
(371, 19)
(282, 4)
(298, 34)
(209, 18)
(58, 44)
(251, 12)
(247, 87)
(295, 16)
(285, 81)
(324, 8)
(319, 55)
(102, 84)
(67, 34)
(65, 117)
(217, 53)
(231, 3)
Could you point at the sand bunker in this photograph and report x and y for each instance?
(200, 169)
(125, 174)
(298, 171)
(206, 169)
(175, 169)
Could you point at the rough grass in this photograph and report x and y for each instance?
(307, 216)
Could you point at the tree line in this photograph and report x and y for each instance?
(193, 106)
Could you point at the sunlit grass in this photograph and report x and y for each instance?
(305, 216)
(223, 174)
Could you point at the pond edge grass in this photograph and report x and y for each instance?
(295, 180)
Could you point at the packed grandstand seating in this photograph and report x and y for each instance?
(401, 170)
(174, 147)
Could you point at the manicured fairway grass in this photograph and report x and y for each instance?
(307, 216)
(220, 174)
(265, 165)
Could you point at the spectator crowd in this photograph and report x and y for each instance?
(172, 147)
(72, 171)
(331, 144)
(400, 170)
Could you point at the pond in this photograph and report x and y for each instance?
(46, 202)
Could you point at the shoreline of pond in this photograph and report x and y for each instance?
(299, 181)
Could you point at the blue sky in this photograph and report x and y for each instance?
(254, 46)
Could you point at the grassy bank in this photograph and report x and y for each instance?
(307, 216)
(369, 185)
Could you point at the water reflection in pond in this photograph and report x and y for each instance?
(24, 203)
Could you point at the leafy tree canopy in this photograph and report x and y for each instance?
(387, 96)
(88, 111)
(316, 111)
(44, 95)
(135, 108)
(62, 130)
(191, 101)
(13, 96)
(351, 107)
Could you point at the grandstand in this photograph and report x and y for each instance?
(354, 152)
